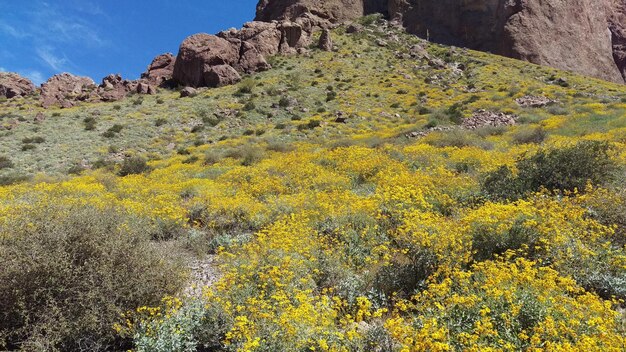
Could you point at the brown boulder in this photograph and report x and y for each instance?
(326, 42)
(198, 54)
(160, 71)
(188, 92)
(221, 75)
(66, 89)
(251, 59)
(265, 37)
(145, 88)
(13, 85)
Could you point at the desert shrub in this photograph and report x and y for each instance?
(133, 165)
(12, 178)
(246, 86)
(249, 154)
(75, 169)
(108, 134)
(249, 106)
(33, 140)
(279, 146)
(5, 163)
(212, 157)
(309, 125)
(563, 169)
(191, 326)
(160, 122)
(117, 128)
(192, 159)
(284, 102)
(90, 123)
(458, 138)
(211, 120)
(68, 272)
(27, 147)
(528, 136)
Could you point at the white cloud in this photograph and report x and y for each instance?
(52, 60)
(35, 76)
(12, 31)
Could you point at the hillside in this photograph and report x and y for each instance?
(389, 195)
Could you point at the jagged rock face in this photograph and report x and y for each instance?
(206, 60)
(160, 71)
(13, 85)
(617, 25)
(585, 36)
(334, 10)
(66, 89)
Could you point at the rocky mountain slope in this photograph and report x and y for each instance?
(584, 36)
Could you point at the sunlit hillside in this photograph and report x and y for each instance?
(392, 195)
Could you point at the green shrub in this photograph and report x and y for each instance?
(66, 278)
(5, 163)
(527, 136)
(196, 326)
(90, 123)
(562, 169)
(249, 106)
(310, 125)
(160, 122)
(75, 169)
(133, 165)
(212, 157)
(13, 178)
(117, 128)
(33, 140)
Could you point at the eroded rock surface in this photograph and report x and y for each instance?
(66, 89)
(13, 85)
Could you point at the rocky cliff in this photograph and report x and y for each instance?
(584, 36)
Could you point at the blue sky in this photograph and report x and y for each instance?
(39, 38)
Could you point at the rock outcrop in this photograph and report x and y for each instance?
(326, 42)
(66, 89)
(617, 26)
(198, 55)
(584, 36)
(114, 88)
(160, 71)
(206, 60)
(13, 85)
